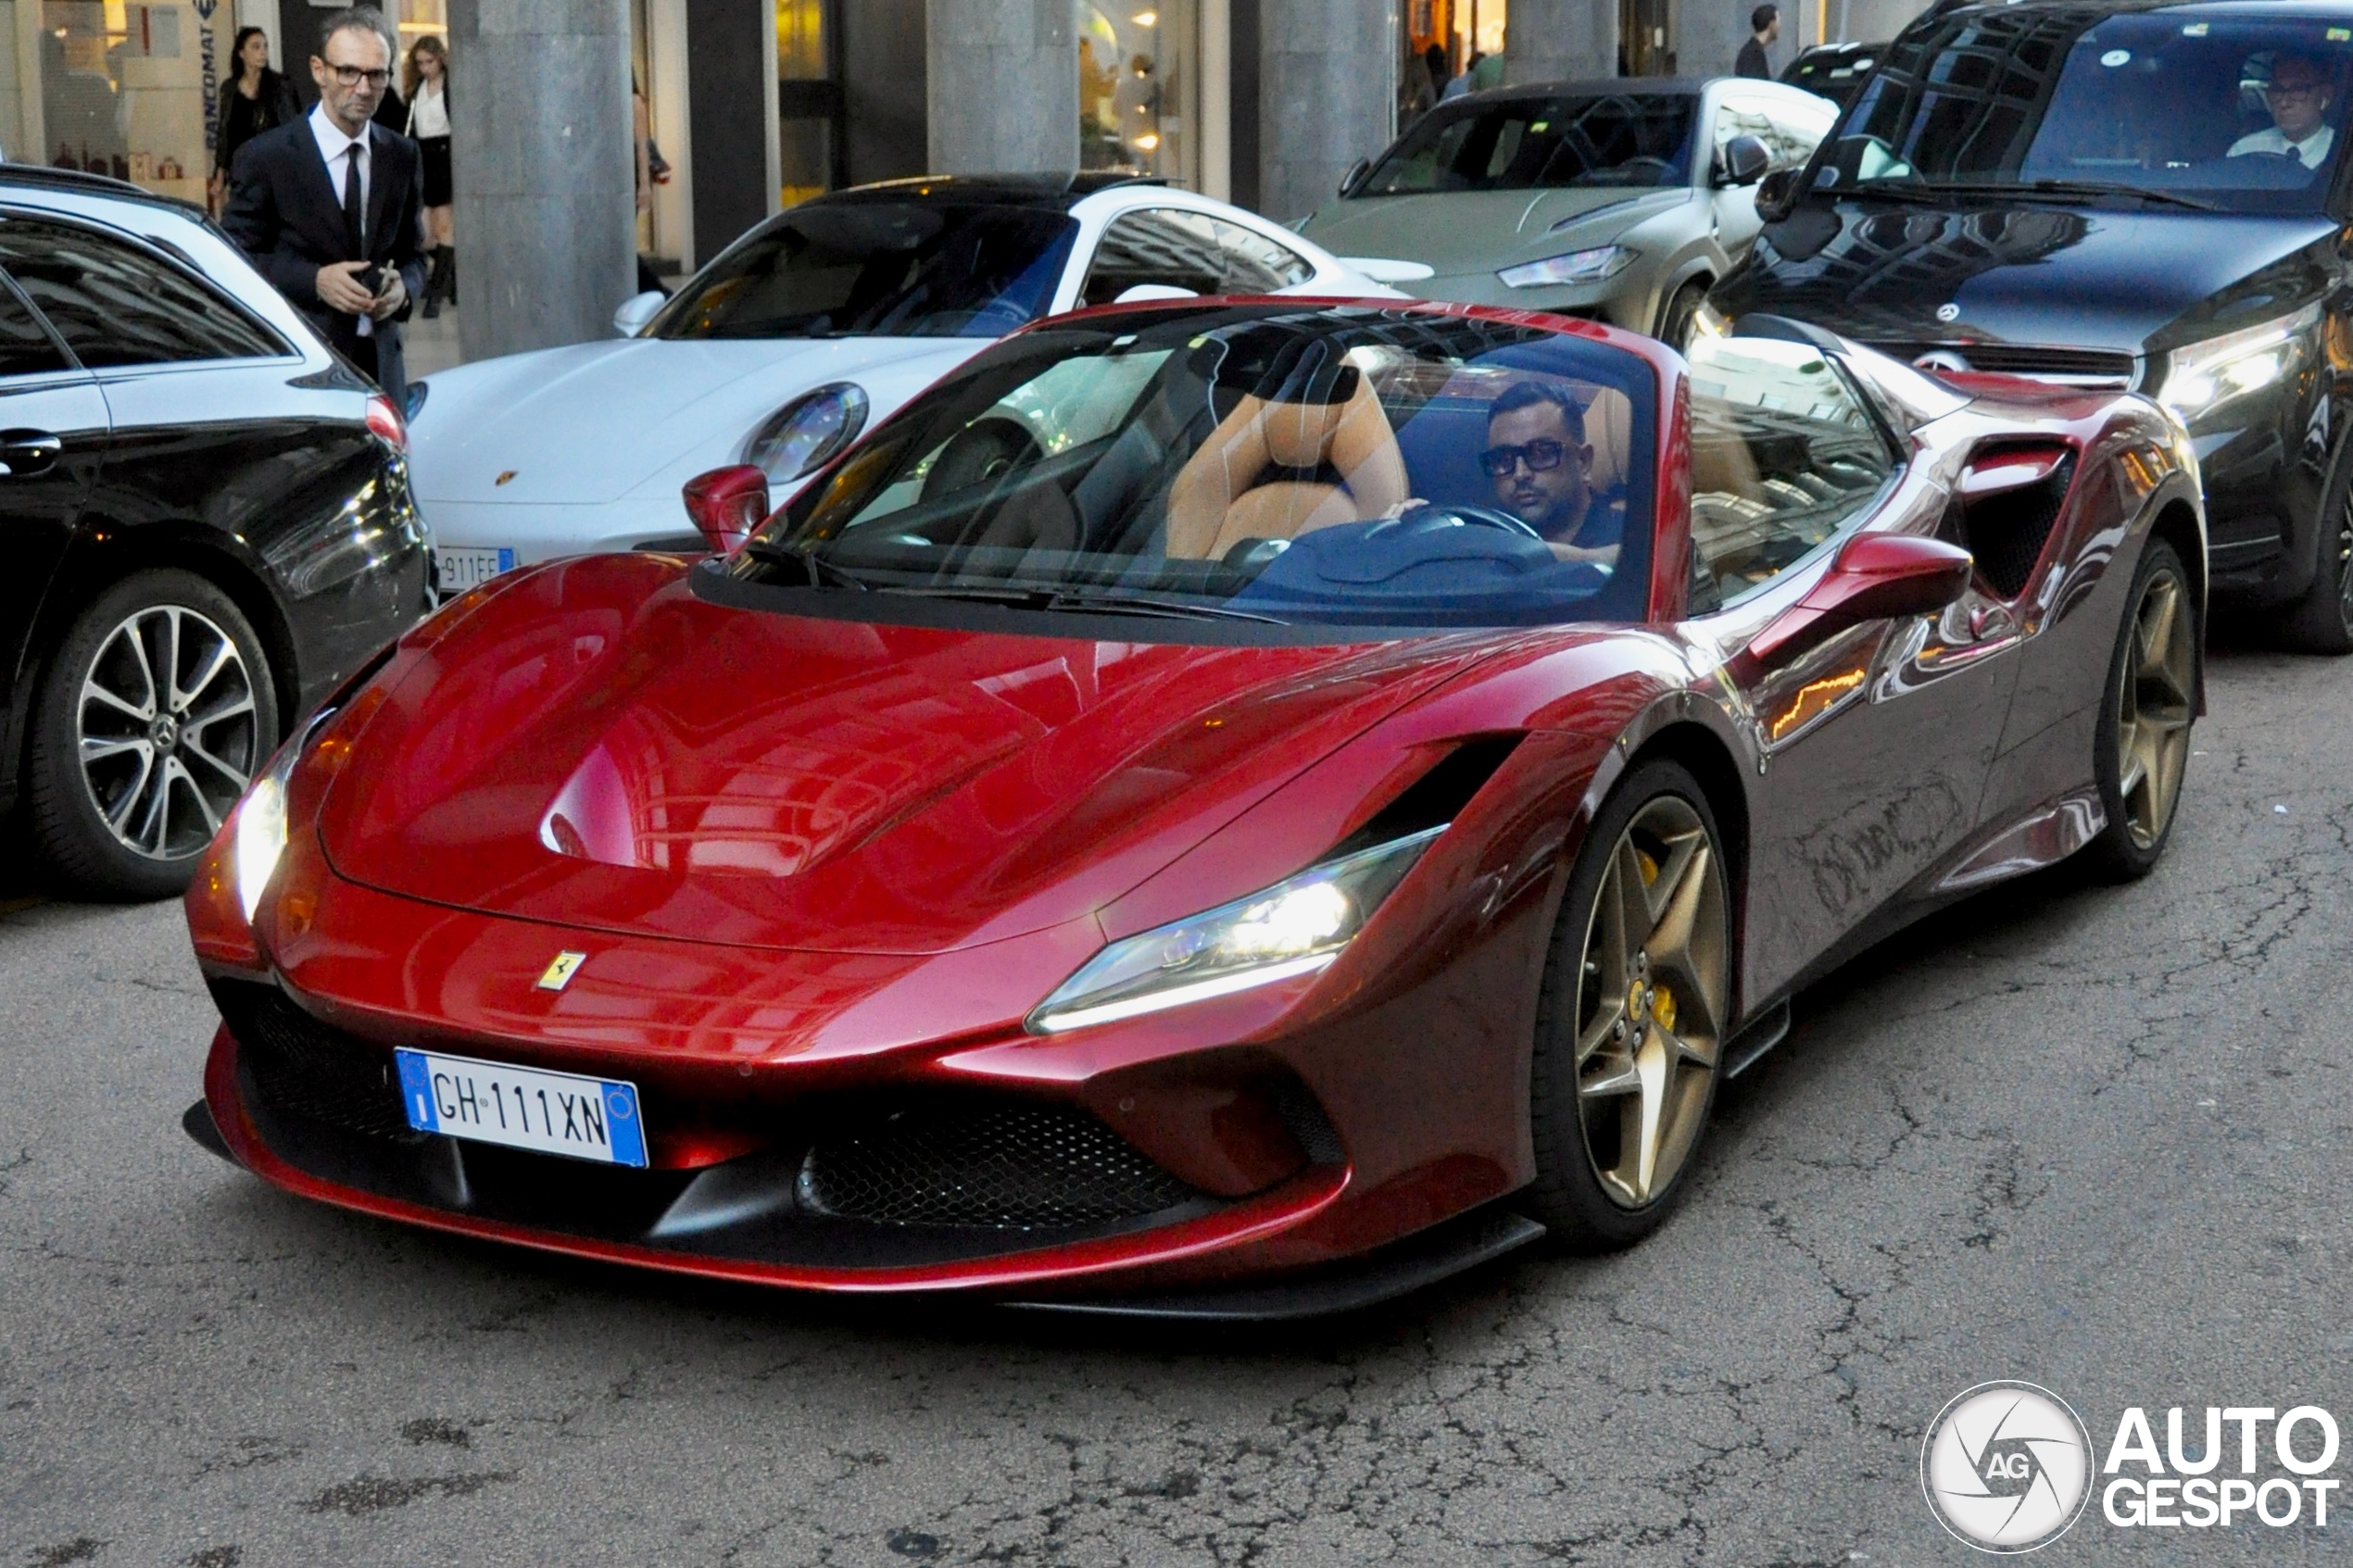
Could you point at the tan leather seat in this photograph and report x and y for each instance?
(1231, 488)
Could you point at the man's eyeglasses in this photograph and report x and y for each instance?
(1541, 457)
(2294, 89)
(352, 76)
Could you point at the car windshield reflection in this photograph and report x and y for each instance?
(1331, 466)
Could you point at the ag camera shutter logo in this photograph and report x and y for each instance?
(2007, 1467)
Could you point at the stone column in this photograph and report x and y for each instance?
(1326, 96)
(1002, 86)
(544, 170)
(1560, 39)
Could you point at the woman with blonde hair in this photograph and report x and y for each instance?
(425, 75)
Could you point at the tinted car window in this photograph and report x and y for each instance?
(116, 304)
(1188, 250)
(25, 349)
(880, 268)
(1616, 138)
(1368, 467)
(2240, 111)
(1784, 454)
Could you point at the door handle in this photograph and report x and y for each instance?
(27, 452)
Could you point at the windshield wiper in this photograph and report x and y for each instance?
(1139, 604)
(822, 572)
(2067, 190)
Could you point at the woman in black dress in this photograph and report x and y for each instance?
(256, 99)
(426, 76)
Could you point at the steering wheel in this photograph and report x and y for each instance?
(1486, 516)
(983, 452)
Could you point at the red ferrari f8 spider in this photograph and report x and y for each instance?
(1235, 807)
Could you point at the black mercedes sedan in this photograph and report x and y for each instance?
(205, 526)
(2114, 195)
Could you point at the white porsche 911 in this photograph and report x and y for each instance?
(810, 327)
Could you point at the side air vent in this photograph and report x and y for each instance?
(1438, 797)
(2006, 527)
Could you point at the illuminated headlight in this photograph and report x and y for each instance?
(262, 818)
(806, 433)
(1577, 267)
(2202, 377)
(1295, 927)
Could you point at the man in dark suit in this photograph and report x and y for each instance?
(327, 205)
(1764, 27)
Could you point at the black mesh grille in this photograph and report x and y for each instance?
(2080, 366)
(308, 1069)
(1013, 1167)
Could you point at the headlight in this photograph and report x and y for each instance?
(1295, 927)
(1577, 267)
(262, 818)
(2202, 377)
(807, 431)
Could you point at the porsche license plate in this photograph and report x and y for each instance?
(523, 1106)
(461, 569)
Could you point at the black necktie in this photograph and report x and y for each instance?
(353, 231)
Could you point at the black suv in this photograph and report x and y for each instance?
(205, 522)
(2152, 196)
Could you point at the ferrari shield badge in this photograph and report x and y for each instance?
(560, 971)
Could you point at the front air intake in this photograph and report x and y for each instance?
(1010, 1167)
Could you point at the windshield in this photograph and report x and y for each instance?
(1635, 139)
(1349, 466)
(2183, 107)
(878, 268)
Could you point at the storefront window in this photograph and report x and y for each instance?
(1138, 77)
(114, 88)
(809, 99)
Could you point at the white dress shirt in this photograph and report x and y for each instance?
(334, 147)
(2311, 152)
(429, 111)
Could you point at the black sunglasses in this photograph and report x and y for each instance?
(1541, 457)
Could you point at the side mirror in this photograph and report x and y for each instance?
(1137, 292)
(1777, 195)
(1876, 577)
(727, 504)
(1745, 161)
(1355, 175)
(636, 311)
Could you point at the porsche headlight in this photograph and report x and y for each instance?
(1578, 267)
(2202, 377)
(1295, 927)
(262, 818)
(805, 434)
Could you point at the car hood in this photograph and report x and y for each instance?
(588, 425)
(1459, 231)
(596, 746)
(2025, 273)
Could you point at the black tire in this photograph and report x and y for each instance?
(1683, 309)
(2135, 839)
(1569, 1195)
(2320, 619)
(212, 740)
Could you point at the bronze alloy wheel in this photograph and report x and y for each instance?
(2155, 703)
(1652, 997)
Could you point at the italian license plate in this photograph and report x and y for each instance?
(523, 1106)
(461, 569)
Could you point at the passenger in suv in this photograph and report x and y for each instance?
(207, 520)
(2120, 195)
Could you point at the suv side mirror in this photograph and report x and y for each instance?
(1355, 175)
(1745, 161)
(631, 317)
(727, 504)
(1777, 195)
(1876, 577)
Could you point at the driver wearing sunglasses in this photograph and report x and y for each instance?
(1536, 458)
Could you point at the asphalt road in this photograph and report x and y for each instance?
(2091, 1137)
